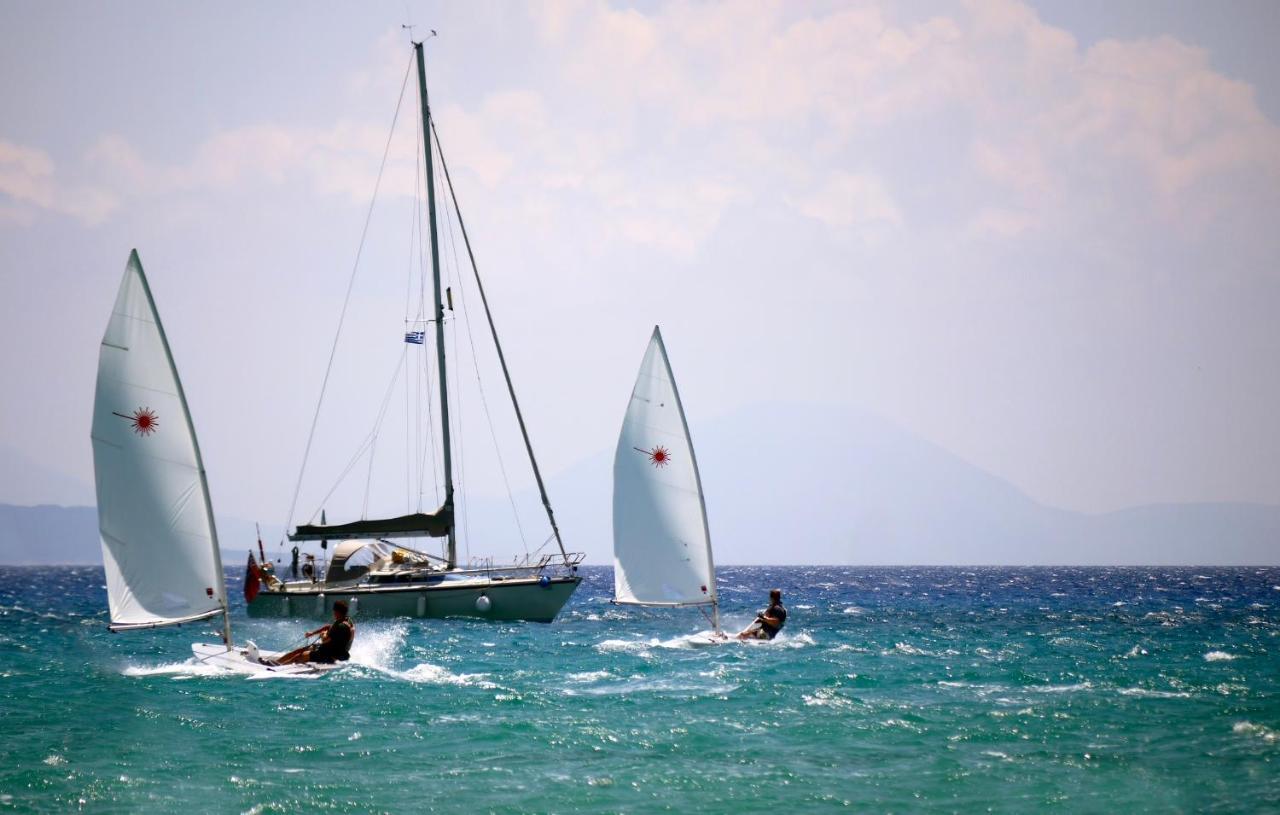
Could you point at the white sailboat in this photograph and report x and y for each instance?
(399, 580)
(661, 542)
(159, 542)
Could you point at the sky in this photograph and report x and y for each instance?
(1039, 236)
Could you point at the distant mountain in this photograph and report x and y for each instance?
(48, 534)
(26, 482)
(792, 483)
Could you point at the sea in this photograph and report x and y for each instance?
(890, 690)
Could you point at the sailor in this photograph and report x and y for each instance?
(293, 565)
(768, 622)
(335, 640)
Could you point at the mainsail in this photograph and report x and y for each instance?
(159, 545)
(661, 544)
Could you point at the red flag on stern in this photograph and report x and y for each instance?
(252, 580)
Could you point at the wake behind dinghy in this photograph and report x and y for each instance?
(159, 542)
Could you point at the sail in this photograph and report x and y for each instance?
(417, 525)
(661, 546)
(159, 546)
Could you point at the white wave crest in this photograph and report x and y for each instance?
(627, 646)
(907, 649)
(589, 676)
(1219, 656)
(1086, 685)
(826, 697)
(178, 670)
(428, 674)
(1147, 693)
(1261, 731)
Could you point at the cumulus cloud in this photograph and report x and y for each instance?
(651, 122)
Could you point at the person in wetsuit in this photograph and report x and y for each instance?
(335, 640)
(768, 622)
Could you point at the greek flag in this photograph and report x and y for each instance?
(414, 337)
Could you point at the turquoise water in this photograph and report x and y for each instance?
(1009, 690)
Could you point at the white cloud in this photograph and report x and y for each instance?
(29, 179)
(848, 200)
(645, 111)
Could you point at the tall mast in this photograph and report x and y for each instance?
(435, 277)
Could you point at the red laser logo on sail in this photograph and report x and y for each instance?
(144, 420)
(658, 456)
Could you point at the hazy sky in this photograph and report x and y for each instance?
(1044, 237)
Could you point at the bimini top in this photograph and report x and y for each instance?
(417, 525)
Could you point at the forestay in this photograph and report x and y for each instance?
(159, 545)
(661, 546)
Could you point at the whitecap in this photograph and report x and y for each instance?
(907, 649)
(178, 670)
(680, 687)
(902, 723)
(589, 676)
(1086, 685)
(1134, 652)
(426, 673)
(627, 646)
(1219, 656)
(1251, 729)
(1148, 693)
(826, 697)
(854, 610)
(800, 640)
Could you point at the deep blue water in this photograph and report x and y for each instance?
(891, 689)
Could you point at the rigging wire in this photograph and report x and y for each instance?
(355, 266)
(377, 426)
(484, 402)
(524, 432)
(410, 456)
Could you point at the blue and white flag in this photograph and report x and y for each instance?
(414, 337)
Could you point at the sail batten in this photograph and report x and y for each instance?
(159, 543)
(661, 542)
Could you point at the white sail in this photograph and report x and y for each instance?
(159, 545)
(661, 545)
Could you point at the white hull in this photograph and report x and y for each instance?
(507, 599)
(236, 660)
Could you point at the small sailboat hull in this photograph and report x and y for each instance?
(508, 600)
(236, 660)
